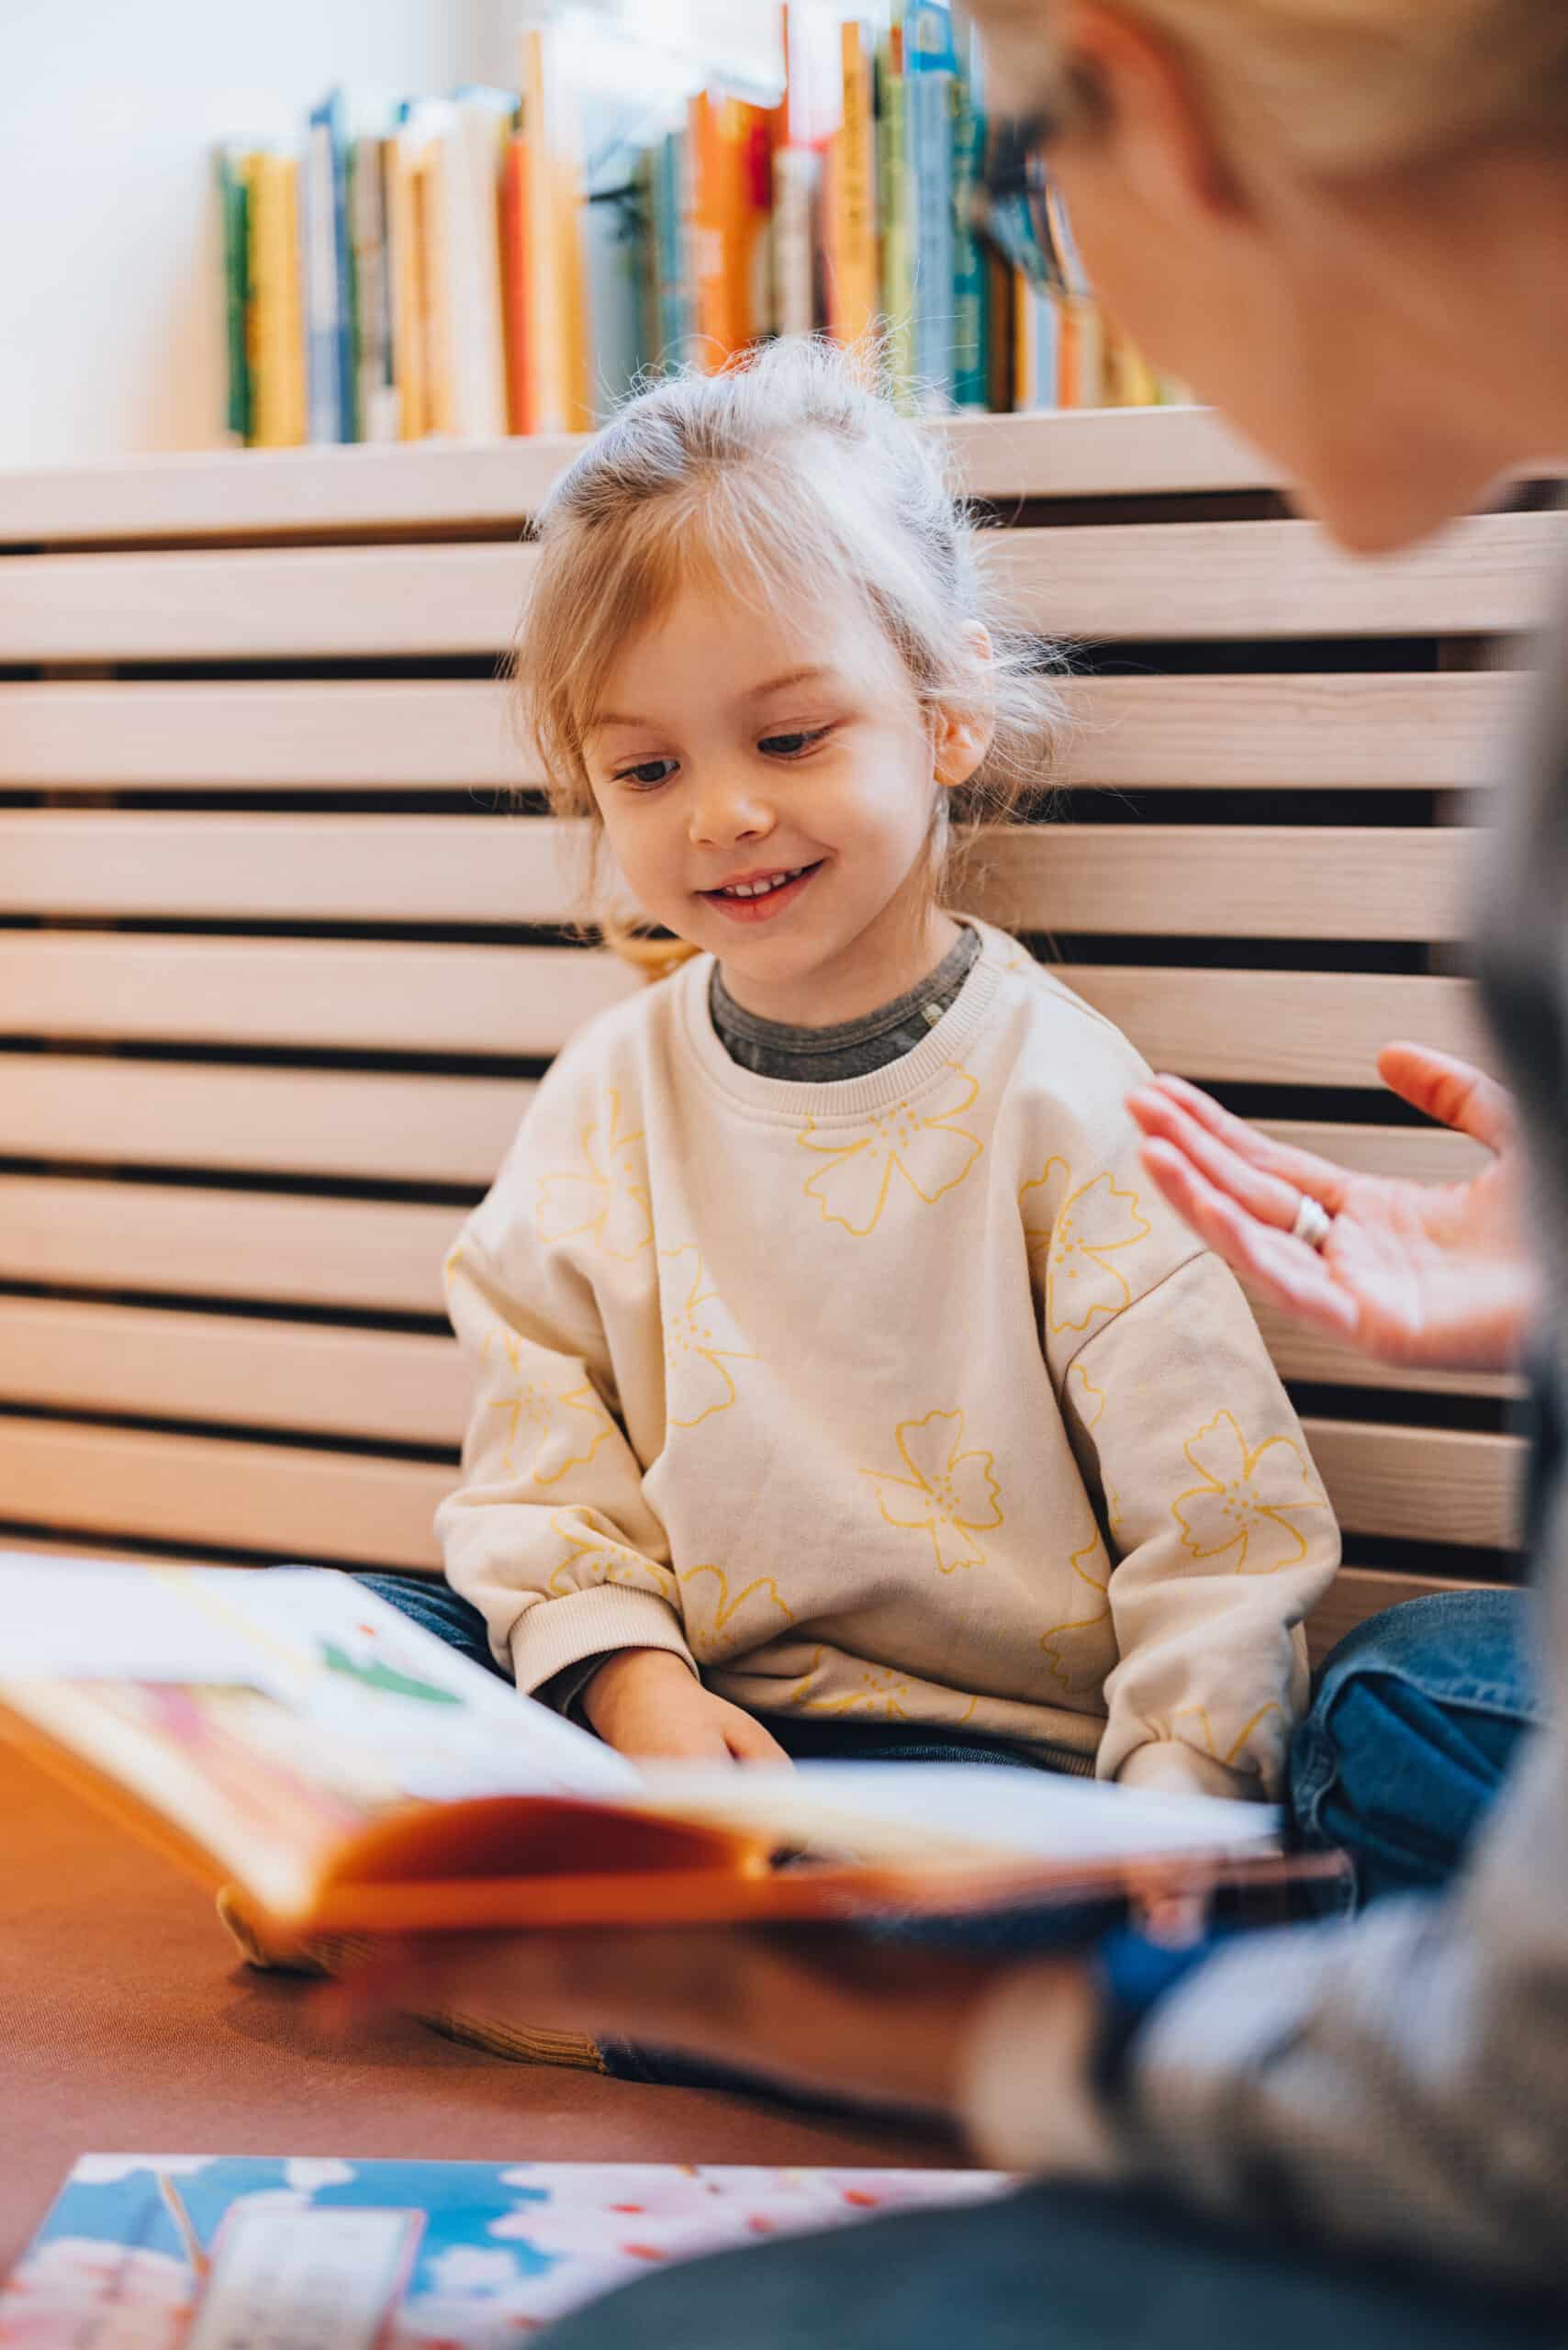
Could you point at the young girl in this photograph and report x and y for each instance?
(842, 1384)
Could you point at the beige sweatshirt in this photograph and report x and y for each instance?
(903, 1398)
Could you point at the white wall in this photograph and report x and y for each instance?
(111, 323)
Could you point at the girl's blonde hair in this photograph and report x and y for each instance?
(792, 481)
(1348, 87)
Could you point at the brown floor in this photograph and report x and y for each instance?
(128, 2026)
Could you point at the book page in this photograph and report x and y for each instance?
(271, 1717)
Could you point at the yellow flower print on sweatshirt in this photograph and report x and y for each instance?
(1091, 1411)
(1242, 1514)
(949, 1494)
(923, 1147)
(606, 1194)
(1076, 1257)
(557, 1428)
(1219, 1747)
(716, 1624)
(595, 1553)
(702, 1340)
(1081, 1652)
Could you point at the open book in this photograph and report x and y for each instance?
(291, 1732)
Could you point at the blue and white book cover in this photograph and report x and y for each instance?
(202, 2252)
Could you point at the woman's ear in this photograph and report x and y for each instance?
(965, 734)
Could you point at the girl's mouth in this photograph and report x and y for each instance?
(759, 900)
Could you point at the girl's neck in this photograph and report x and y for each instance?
(887, 959)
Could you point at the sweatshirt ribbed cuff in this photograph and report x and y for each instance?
(1167, 1765)
(555, 1633)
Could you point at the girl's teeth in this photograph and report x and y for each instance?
(762, 889)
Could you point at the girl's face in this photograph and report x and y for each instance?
(769, 788)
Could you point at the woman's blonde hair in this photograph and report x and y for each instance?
(792, 481)
(1347, 88)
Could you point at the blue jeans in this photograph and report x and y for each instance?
(1414, 1724)
(1055, 2268)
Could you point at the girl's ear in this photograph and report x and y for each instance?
(964, 736)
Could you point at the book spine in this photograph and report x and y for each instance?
(671, 207)
(348, 282)
(894, 209)
(797, 173)
(704, 231)
(471, 148)
(972, 276)
(233, 201)
(318, 272)
(1002, 302)
(852, 245)
(514, 280)
(407, 279)
(369, 180)
(930, 65)
(277, 350)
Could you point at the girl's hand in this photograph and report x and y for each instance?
(649, 1703)
(1429, 1276)
(814, 2006)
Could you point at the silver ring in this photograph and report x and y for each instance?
(1313, 1222)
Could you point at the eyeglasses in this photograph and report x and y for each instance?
(1017, 207)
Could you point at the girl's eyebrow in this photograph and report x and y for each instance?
(604, 719)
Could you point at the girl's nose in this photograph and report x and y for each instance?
(725, 815)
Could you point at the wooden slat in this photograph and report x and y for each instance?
(1277, 1028)
(1089, 453)
(1226, 881)
(1235, 881)
(177, 1240)
(1489, 575)
(299, 868)
(1421, 1484)
(394, 734)
(1436, 731)
(1359, 1592)
(523, 1000)
(1410, 1153)
(1440, 730)
(291, 1122)
(286, 1499)
(1270, 1027)
(221, 1368)
(1303, 1354)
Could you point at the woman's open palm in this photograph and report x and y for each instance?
(1431, 1276)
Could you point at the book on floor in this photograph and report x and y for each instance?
(214, 2249)
(349, 1773)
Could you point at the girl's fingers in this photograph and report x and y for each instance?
(1284, 1271)
(1319, 1177)
(1451, 1091)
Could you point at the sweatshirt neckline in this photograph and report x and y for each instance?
(847, 1097)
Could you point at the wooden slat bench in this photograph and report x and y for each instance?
(279, 965)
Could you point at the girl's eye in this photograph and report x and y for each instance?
(794, 744)
(647, 775)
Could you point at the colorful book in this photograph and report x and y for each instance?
(212, 2251)
(672, 267)
(555, 334)
(292, 1735)
(369, 173)
(514, 280)
(851, 206)
(732, 191)
(275, 335)
(410, 302)
(971, 277)
(470, 139)
(895, 214)
(232, 203)
(327, 260)
(930, 67)
(797, 306)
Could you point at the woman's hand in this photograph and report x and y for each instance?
(649, 1703)
(816, 2007)
(1431, 1276)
